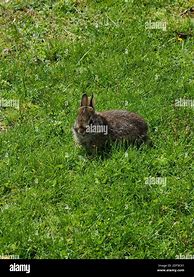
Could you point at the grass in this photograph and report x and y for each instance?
(55, 201)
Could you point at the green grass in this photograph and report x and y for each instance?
(55, 201)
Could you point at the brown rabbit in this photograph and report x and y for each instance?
(95, 129)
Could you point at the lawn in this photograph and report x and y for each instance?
(55, 200)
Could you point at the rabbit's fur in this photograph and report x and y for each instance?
(96, 129)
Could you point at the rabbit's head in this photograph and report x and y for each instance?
(85, 114)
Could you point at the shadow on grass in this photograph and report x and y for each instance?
(107, 151)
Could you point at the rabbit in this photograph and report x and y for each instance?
(95, 130)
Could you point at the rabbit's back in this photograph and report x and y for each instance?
(124, 124)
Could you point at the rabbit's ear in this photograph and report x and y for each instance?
(92, 102)
(84, 100)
